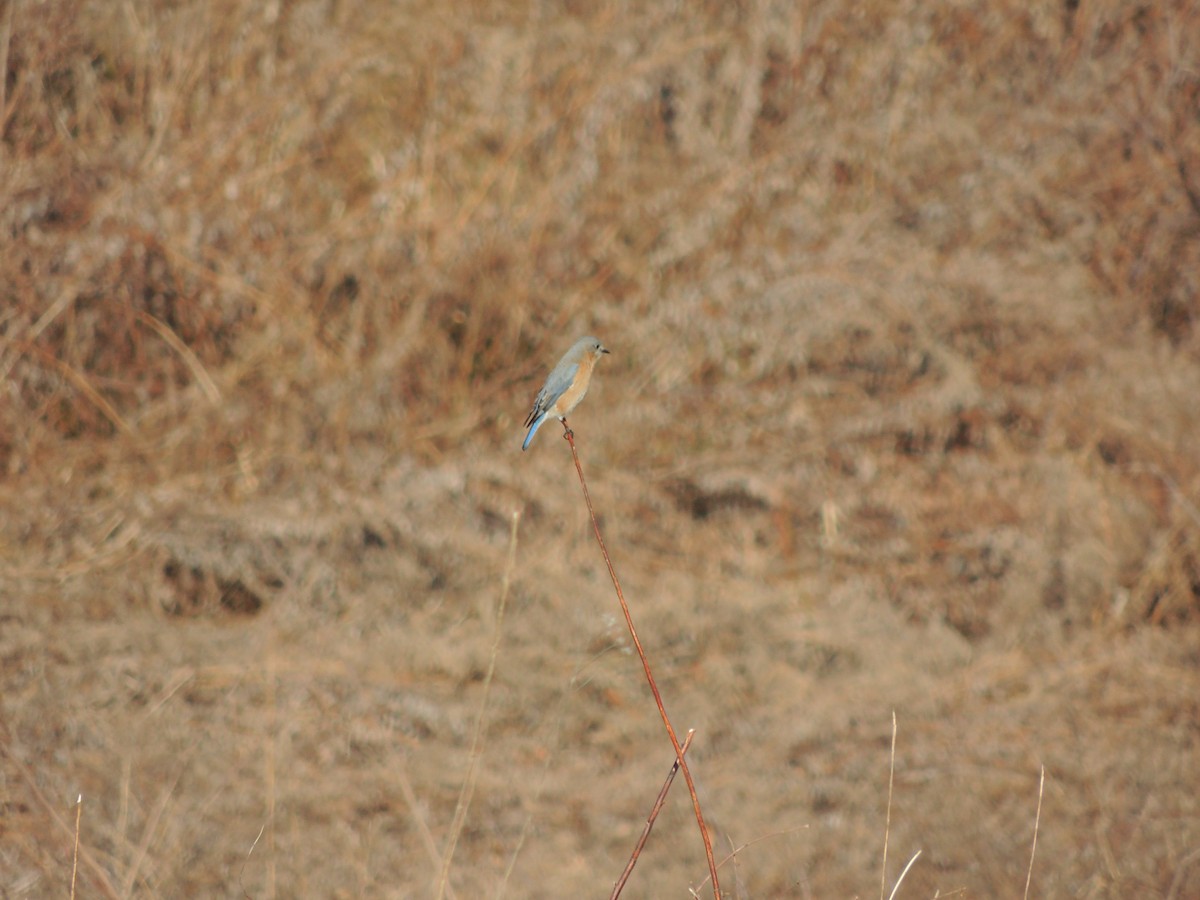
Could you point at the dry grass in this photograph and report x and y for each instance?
(902, 414)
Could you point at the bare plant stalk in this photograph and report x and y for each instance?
(1037, 820)
(75, 859)
(99, 874)
(900, 880)
(887, 825)
(480, 731)
(654, 811)
(410, 797)
(662, 711)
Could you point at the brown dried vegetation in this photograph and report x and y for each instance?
(902, 414)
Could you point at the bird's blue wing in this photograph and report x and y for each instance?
(557, 382)
(560, 379)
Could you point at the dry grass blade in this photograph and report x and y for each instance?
(887, 824)
(99, 875)
(480, 729)
(80, 381)
(427, 838)
(245, 860)
(149, 833)
(900, 880)
(75, 853)
(207, 385)
(1037, 821)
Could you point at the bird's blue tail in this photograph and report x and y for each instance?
(537, 423)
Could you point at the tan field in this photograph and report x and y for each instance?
(902, 417)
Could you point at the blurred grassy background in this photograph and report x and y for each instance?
(901, 414)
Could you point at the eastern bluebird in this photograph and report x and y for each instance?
(565, 386)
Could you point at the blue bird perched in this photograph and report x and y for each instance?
(565, 386)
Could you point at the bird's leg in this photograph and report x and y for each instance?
(567, 432)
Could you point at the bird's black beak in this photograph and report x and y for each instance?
(605, 350)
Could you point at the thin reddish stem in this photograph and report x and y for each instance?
(662, 710)
(654, 811)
